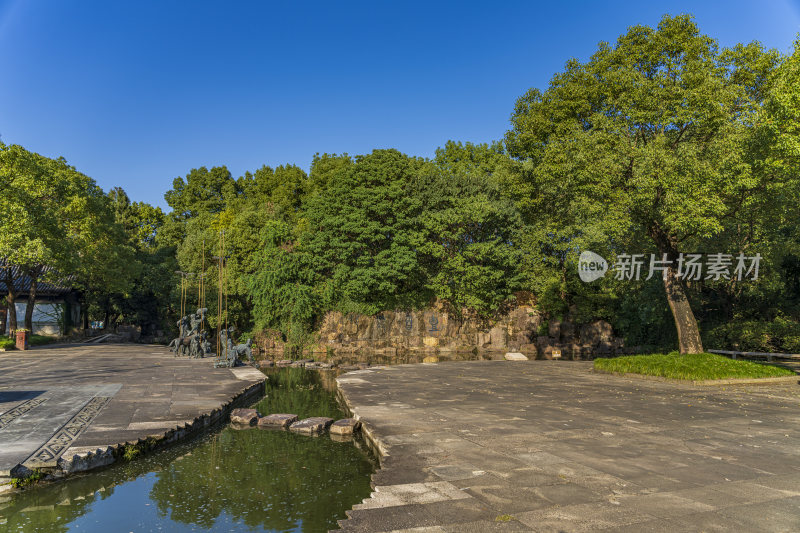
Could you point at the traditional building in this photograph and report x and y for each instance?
(57, 310)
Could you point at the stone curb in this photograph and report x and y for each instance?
(703, 382)
(373, 442)
(101, 457)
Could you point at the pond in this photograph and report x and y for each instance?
(231, 480)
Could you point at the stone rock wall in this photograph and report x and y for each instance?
(436, 330)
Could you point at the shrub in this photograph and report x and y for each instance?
(778, 335)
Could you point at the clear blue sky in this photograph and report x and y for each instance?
(136, 94)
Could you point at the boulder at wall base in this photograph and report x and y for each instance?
(498, 337)
(244, 417)
(430, 342)
(529, 349)
(515, 356)
(596, 332)
(312, 426)
(346, 426)
(277, 420)
(567, 332)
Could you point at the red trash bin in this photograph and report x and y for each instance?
(22, 339)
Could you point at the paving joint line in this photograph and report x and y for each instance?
(16, 412)
(47, 455)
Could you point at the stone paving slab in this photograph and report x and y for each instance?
(552, 446)
(96, 397)
(20, 438)
(10, 400)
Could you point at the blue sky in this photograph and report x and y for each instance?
(136, 94)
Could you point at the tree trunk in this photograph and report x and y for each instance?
(12, 314)
(31, 304)
(11, 299)
(688, 333)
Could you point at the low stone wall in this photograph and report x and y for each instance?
(436, 330)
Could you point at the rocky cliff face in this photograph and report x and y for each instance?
(436, 330)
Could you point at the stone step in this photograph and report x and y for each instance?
(313, 425)
(277, 420)
(346, 426)
(244, 417)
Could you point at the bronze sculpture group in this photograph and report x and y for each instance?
(193, 341)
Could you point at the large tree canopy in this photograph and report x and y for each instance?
(652, 136)
(57, 220)
(365, 232)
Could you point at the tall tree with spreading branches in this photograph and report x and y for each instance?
(654, 136)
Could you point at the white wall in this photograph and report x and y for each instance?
(45, 318)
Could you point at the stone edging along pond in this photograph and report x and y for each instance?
(370, 439)
(128, 450)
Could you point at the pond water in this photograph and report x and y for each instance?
(231, 480)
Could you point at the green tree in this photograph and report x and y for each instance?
(280, 191)
(470, 228)
(267, 196)
(150, 297)
(365, 233)
(284, 286)
(324, 167)
(203, 190)
(141, 221)
(652, 137)
(57, 222)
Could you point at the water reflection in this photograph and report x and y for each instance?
(301, 392)
(234, 480)
(371, 358)
(377, 358)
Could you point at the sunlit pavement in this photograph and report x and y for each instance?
(551, 446)
(59, 402)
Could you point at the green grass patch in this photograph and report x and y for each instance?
(8, 343)
(38, 340)
(690, 366)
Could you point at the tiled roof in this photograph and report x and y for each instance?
(22, 283)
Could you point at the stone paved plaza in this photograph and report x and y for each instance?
(552, 446)
(57, 403)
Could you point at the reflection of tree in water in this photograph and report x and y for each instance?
(273, 479)
(405, 357)
(257, 478)
(301, 392)
(53, 507)
(264, 478)
(46, 511)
